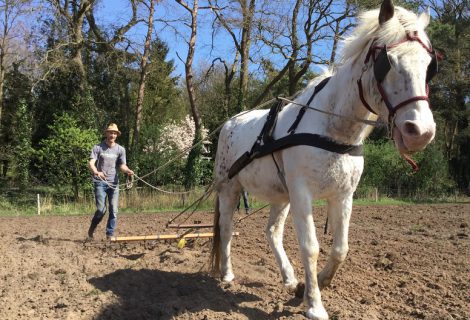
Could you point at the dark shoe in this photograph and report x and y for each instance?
(90, 232)
(247, 211)
(109, 238)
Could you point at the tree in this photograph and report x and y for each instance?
(22, 150)
(74, 13)
(144, 66)
(163, 104)
(450, 93)
(192, 166)
(62, 157)
(16, 122)
(244, 23)
(13, 14)
(311, 27)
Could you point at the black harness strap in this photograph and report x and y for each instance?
(317, 89)
(293, 139)
(267, 132)
(298, 139)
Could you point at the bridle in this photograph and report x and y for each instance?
(382, 66)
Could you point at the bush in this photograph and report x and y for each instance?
(384, 167)
(62, 158)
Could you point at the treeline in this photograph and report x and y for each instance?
(66, 71)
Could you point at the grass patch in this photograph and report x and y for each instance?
(16, 203)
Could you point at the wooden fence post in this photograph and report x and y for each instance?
(39, 205)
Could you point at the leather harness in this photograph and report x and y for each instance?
(265, 144)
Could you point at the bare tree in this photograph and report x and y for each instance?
(12, 34)
(188, 65)
(74, 14)
(143, 71)
(242, 44)
(299, 53)
(195, 153)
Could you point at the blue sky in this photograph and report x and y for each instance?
(117, 12)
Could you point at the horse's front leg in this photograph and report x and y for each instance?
(301, 208)
(275, 233)
(339, 213)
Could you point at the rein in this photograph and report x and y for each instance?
(376, 124)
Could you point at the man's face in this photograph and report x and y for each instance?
(111, 136)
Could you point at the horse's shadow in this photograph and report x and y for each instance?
(155, 294)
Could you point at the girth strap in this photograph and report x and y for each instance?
(297, 139)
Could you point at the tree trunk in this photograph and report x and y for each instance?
(248, 11)
(192, 170)
(76, 34)
(143, 76)
(2, 85)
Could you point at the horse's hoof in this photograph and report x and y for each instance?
(291, 286)
(324, 283)
(318, 313)
(299, 291)
(228, 277)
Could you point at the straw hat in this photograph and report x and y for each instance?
(113, 127)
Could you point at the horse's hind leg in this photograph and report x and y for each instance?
(275, 233)
(339, 213)
(228, 199)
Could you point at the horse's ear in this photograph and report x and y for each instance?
(424, 18)
(386, 11)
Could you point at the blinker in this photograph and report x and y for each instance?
(433, 67)
(381, 65)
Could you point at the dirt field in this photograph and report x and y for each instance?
(405, 262)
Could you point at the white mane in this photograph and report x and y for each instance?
(392, 31)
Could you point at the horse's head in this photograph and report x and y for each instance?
(400, 63)
(403, 64)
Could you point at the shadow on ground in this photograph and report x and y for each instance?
(154, 294)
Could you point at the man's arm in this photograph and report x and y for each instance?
(94, 170)
(125, 169)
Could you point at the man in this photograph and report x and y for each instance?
(245, 202)
(105, 158)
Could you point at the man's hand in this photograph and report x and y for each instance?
(101, 175)
(130, 172)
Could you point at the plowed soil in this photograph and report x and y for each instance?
(405, 262)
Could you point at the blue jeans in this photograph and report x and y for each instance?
(245, 201)
(103, 190)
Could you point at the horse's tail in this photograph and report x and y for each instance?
(215, 253)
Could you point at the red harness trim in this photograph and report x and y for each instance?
(371, 53)
(391, 109)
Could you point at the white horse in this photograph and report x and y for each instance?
(383, 76)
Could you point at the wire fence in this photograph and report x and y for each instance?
(143, 199)
(417, 195)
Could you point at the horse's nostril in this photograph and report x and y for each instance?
(411, 129)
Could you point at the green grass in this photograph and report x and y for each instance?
(15, 203)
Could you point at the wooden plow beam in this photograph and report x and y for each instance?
(187, 226)
(165, 237)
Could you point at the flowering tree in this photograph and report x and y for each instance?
(178, 137)
(173, 146)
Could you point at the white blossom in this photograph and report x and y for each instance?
(178, 136)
